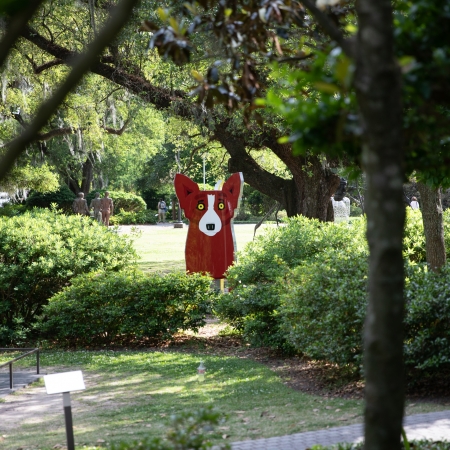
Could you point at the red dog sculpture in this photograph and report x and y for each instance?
(210, 243)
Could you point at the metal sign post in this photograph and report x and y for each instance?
(68, 418)
(64, 383)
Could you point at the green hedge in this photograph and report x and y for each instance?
(63, 198)
(323, 306)
(105, 308)
(134, 218)
(303, 287)
(123, 201)
(258, 278)
(40, 252)
(427, 321)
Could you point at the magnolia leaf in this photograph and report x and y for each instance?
(260, 102)
(328, 88)
(189, 7)
(322, 4)
(174, 24)
(262, 14)
(343, 67)
(162, 13)
(407, 63)
(197, 75)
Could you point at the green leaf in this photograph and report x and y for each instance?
(197, 75)
(163, 14)
(328, 88)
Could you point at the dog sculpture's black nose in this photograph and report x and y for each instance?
(210, 226)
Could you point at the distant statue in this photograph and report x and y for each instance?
(96, 205)
(414, 203)
(107, 208)
(80, 206)
(341, 203)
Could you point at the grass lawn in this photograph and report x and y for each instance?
(130, 395)
(161, 247)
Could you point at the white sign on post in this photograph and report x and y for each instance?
(59, 383)
(64, 383)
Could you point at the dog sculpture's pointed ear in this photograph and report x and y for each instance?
(233, 188)
(185, 187)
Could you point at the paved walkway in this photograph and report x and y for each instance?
(434, 425)
(20, 380)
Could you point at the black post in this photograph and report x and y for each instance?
(10, 376)
(37, 362)
(69, 423)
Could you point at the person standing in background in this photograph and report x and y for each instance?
(161, 210)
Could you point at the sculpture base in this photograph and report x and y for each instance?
(178, 225)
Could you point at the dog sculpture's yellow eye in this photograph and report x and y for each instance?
(201, 206)
(221, 205)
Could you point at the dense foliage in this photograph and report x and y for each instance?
(108, 307)
(187, 431)
(303, 288)
(62, 198)
(123, 201)
(134, 218)
(323, 305)
(427, 322)
(262, 271)
(40, 252)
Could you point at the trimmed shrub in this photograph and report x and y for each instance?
(324, 305)
(355, 211)
(427, 322)
(63, 198)
(254, 312)
(12, 210)
(414, 237)
(270, 254)
(123, 201)
(259, 277)
(303, 287)
(102, 308)
(40, 252)
(134, 218)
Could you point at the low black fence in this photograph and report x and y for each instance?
(29, 351)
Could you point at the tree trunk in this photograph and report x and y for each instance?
(73, 185)
(308, 192)
(433, 225)
(88, 176)
(378, 85)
